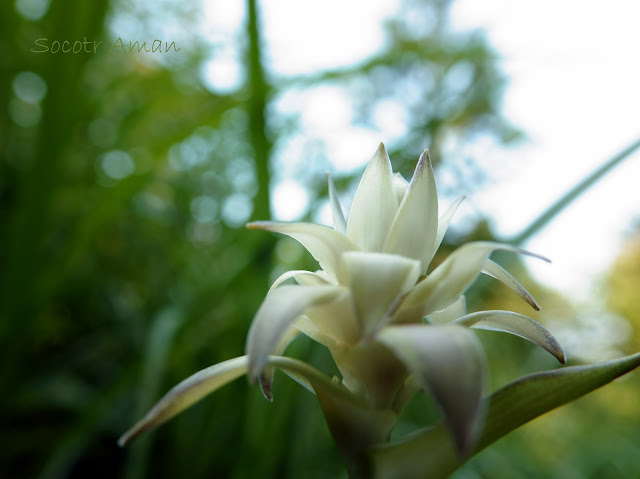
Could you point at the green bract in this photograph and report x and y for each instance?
(366, 305)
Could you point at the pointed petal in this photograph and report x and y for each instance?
(339, 223)
(413, 232)
(449, 362)
(325, 244)
(278, 311)
(450, 279)
(377, 281)
(443, 224)
(517, 324)
(498, 272)
(186, 393)
(306, 278)
(374, 205)
(455, 310)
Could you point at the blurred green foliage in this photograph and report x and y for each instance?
(124, 187)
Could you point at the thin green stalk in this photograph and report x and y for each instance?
(571, 195)
(258, 92)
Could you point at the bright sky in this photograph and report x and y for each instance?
(573, 89)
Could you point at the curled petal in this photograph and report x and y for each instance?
(450, 279)
(498, 272)
(339, 223)
(374, 205)
(325, 244)
(449, 362)
(517, 324)
(377, 281)
(306, 278)
(413, 232)
(266, 378)
(278, 311)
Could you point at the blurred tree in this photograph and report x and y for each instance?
(623, 284)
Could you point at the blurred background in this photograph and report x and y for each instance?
(127, 175)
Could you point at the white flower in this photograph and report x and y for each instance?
(367, 304)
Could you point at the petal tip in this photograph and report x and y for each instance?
(265, 387)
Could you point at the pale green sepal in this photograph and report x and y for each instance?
(325, 244)
(374, 204)
(449, 362)
(377, 281)
(498, 272)
(413, 231)
(187, 393)
(431, 452)
(517, 324)
(339, 223)
(354, 424)
(278, 311)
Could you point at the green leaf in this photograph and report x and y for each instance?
(432, 452)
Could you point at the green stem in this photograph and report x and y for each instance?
(258, 92)
(564, 201)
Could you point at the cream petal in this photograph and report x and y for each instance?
(311, 330)
(325, 244)
(414, 228)
(448, 361)
(187, 393)
(339, 223)
(443, 224)
(374, 205)
(517, 324)
(278, 311)
(336, 319)
(455, 310)
(400, 186)
(377, 281)
(451, 278)
(498, 272)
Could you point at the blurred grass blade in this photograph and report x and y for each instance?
(432, 452)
